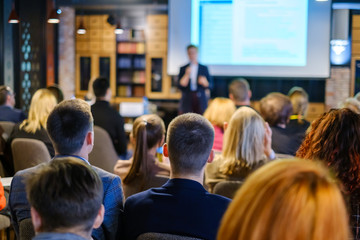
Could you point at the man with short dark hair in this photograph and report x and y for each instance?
(70, 127)
(182, 206)
(66, 200)
(240, 93)
(107, 118)
(7, 103)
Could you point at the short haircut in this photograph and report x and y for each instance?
(100, 86)
(190, 139)
(4, 92)
(68, 124)
(239, 88)
(66, 193)
(298, 194)
(191, 46)
(276, 108)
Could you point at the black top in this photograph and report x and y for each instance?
(109, 119)
(180, 206)
(286, 140)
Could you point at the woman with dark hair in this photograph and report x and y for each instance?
(147, 135)
(334, 138)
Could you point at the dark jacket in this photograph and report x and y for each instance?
(11, 114)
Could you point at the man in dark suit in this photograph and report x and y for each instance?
(7, 103)
(70, 127)
(181, 206)
(194, 80)
(108, 118)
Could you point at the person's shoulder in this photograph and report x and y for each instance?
(218, 199)
(138, 199)
(105, 175)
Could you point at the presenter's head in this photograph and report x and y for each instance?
(192, 52)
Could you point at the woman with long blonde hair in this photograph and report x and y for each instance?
(42, 103)
(219, 112)
(287, 199)
(247, 145)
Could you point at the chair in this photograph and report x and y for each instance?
(227, 188)
(163, 236)
(8, 127)
(26, 229)
(103, 154)
(28, 153)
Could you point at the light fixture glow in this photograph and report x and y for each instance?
(118, 29)
(81, 29)
(13, 17)
(54, 15)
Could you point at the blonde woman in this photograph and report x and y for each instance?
(247, 145)
(300, 102)
(287, 199)
(42, 103)
(219, 111)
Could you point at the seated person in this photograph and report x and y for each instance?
(219, 112)
(7, 102)
(247, 146)
(70, 127)
(276, 109)
(300, 101)
(65, 197)
(240, 93)
(287, 199)
(148, 135)
(334, 139)
(181, 206)
(57, 92)
(107, 118)
(352, 104)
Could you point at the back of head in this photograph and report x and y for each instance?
(148, 130)
(68, 125)
(190, 139)
(239, 89)
(219, 111)
(299, 100)
(100, 87)
(42, 103)
(276, 108)
(57, 92)
(334, 138)
(66, 193)
(352, 104)
(287, 199)
(243, 140)
(4, 92)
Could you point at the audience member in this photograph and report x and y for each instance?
(240, 93)
(247, 146)
(287, 199)
(219, 112)
(7, 103)
(42, 103)
(148, 135)
(276, 109)
(352, 104)
(300, 101)
(57, 92)
(334, 139)
(70, 127)
(182, 206)
(107, 118)
(65, 197)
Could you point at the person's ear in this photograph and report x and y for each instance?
(211, 156)
(231, 96)
(226, 124)
(99, 217)
(165, 150)
(249, 94)
(90, 138)
(36, 219)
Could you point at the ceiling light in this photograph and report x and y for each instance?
(13, 17)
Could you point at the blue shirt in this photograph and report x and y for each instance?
(113, 202)
(10, 114)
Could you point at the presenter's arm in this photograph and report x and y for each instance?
(184, 77)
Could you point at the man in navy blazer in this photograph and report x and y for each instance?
(194, 80)
(7, 103)
(70, 127)
(181, 206)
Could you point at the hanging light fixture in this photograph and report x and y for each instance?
(54, 16)
(13, 17)
(118, 29)
(81, 29)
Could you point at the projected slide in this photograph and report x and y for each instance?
(250, 32)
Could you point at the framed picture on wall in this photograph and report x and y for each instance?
(355, 76)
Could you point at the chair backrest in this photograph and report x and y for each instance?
(26, 229)
(227, 188)
(28, 153)
(103, 154)
(163, 236)
(7, 127)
